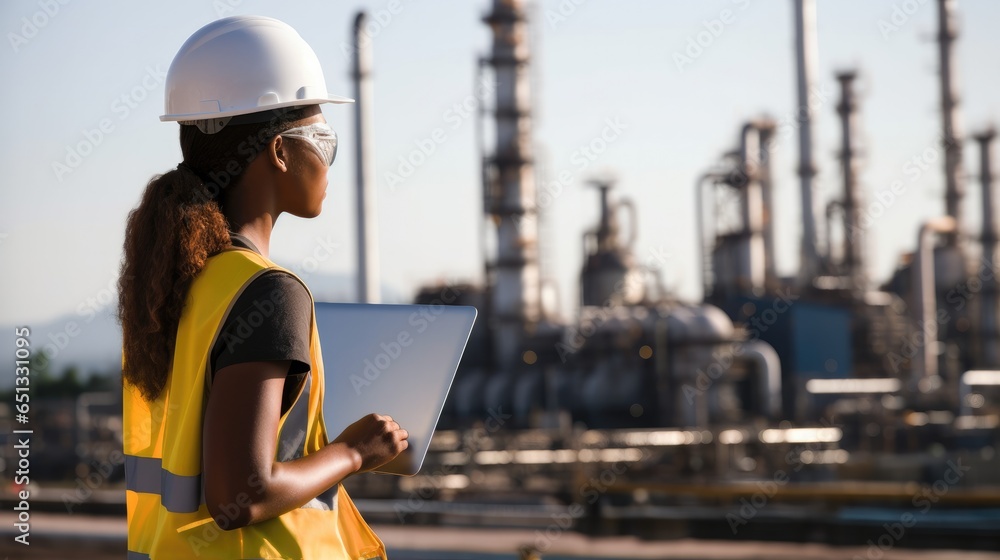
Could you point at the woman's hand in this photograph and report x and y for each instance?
(376, 438)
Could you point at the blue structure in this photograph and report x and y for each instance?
(812, 339)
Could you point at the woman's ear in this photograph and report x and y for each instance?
(276, 153)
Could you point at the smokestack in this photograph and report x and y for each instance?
(607, 228)
(951, 127)
(516, 288)
(854, 239)
(368, 269)
(805, 51)
(751, 254)
(609, 273)
(989, 335)
(765, 130)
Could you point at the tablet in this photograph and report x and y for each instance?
(391, 359)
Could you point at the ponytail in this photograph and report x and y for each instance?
(179, 223)
(168, 238)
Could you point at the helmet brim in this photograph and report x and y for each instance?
(330, 98)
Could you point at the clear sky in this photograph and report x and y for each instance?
(86, 62)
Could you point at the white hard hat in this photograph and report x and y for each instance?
(241, 65)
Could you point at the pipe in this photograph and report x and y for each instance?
(368, 269)
(854, 239)
(951, 133)
(607, 228)
(832, 208)
(628, 205)
(989, 328)
(703, 264)
(805, 51)
(704, 252)
(768, 365)
(925, 295)
(484, 174)
(487, 192)
(516, 291)
(766, 128)
(751, 266)
(662, 354)
(587, 251)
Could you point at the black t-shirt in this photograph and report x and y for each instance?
(270, 320)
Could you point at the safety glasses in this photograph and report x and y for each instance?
(320, 136)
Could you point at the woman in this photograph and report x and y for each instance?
(226, 452)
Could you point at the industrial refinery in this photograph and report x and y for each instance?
(794, 386)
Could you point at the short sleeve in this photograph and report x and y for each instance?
(270, 320)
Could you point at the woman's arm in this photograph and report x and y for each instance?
(243, 482)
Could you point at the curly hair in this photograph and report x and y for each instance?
(179, 223)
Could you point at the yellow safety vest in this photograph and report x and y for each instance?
(167, 515)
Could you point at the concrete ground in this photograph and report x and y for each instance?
(55, 536)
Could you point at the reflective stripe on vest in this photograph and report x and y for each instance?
(292, 439)
(167, 514)
(179, 494)
(183, 494)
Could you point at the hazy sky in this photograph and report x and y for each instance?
(67, 187)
